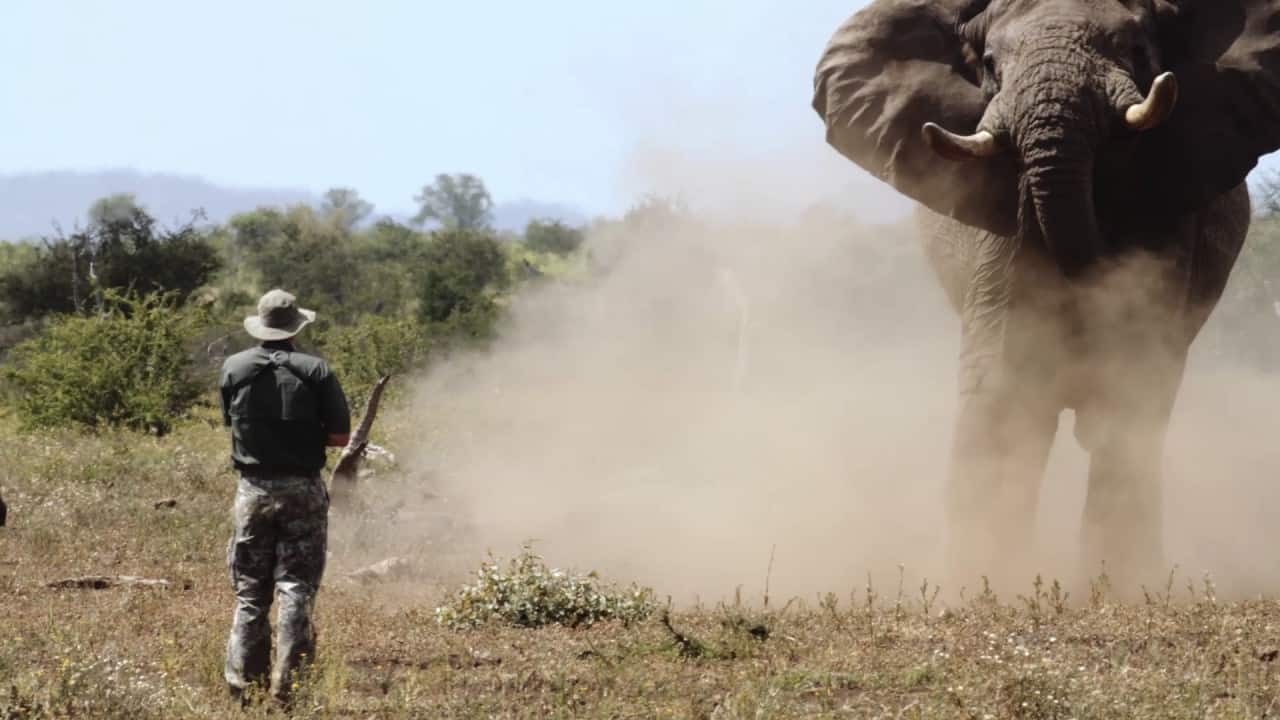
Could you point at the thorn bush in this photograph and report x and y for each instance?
(126, 365)
(530, 594)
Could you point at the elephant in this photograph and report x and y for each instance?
(1079, 170)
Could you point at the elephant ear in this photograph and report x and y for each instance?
(1226, 55)
(888, 70)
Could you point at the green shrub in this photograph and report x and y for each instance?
(462, 270)
(529, 594)
(552, 237)
(526, 264)
(368, 348)
(126, 366)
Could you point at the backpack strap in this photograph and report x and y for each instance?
(277, 358)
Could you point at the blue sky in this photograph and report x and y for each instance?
(586, 103)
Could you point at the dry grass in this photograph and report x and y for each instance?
(85, 506)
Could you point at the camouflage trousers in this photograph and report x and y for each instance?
(277, 548)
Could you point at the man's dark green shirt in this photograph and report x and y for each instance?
(280, 405)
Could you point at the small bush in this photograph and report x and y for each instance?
(126, 366)
(529, 594)
(370, 347)
(90, 687)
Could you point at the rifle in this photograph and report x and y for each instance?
(343, 479)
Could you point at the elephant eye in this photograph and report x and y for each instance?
(989, 67)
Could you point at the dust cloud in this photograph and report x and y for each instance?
(716, 405)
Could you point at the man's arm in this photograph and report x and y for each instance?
(334, 413)
(224, 397)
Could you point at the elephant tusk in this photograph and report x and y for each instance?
(982, 144)
(1157, 107)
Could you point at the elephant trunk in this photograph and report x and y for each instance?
(1058, 209)
(1058, 123)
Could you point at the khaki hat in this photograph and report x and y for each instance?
(278, 318)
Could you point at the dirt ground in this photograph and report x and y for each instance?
(87, 506)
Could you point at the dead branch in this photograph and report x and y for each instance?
(103, 582)
(393, 568)
(689, 646)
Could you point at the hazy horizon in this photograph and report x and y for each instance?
(563, 102)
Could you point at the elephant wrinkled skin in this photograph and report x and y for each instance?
(1080, 166)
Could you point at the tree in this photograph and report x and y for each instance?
(456, 202)
(113, 210)
(122, 247)
(391, 242)
(15, 259)
(389, 254)
(552, 236)
(461, 268)
(297, 250)
(252, 231)
(126, 249)
(345, 207)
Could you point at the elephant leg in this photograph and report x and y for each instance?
(1011, 349)
(1001, 446)
(1122, 528)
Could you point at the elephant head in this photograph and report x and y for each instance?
(1058, 121)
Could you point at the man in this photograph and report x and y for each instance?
(283, 407)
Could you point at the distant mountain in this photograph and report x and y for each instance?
(30, 203)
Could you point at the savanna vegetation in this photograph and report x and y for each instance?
(115, 466)
(120, 322)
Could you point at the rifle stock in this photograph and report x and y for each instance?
(342, 480)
